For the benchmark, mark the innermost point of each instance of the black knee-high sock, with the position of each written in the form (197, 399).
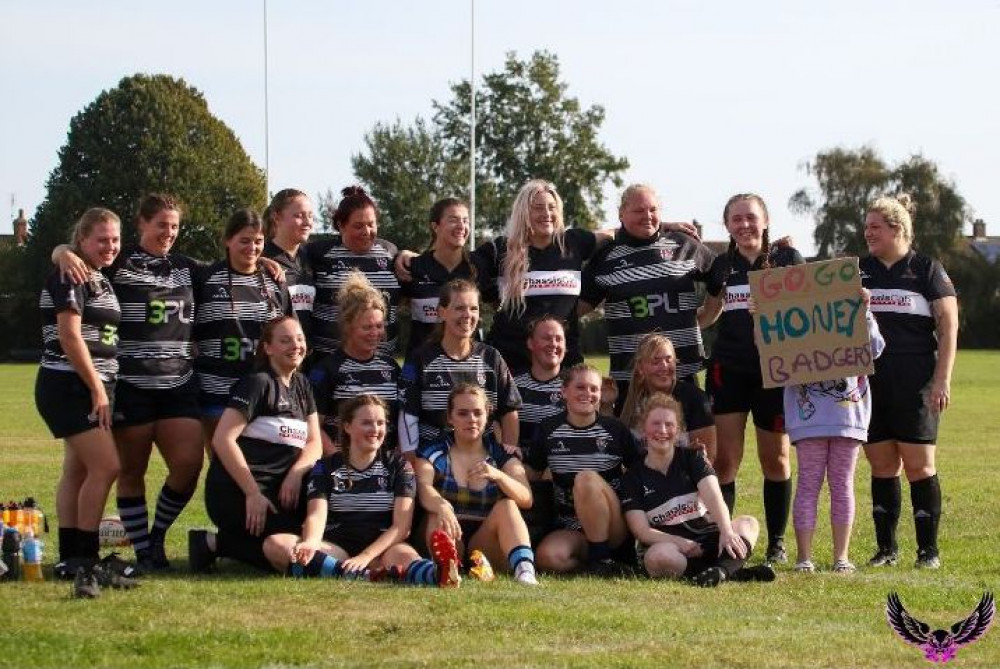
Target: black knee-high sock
(887, 498)
(88, 544)
(777, 503)
(729, 495)
(925, 495)
(169, 505)
(67, 543)
(731, 565)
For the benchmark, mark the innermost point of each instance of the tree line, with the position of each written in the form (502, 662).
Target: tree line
(155, 133)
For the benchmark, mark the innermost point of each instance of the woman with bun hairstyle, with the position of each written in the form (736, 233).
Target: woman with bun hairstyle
(266, 442)
(915, 304)
(74, 390)
(446, 258)
(357, 366)
(288, 222)
(356, 247)
(733, 380)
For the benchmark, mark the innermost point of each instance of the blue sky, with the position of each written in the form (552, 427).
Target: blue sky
(705, 98)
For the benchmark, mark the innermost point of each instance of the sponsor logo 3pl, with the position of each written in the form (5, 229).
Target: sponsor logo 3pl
(940, 645)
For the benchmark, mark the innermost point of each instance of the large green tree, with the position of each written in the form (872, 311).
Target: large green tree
(527, 126)
(848, 180)
(149, 133)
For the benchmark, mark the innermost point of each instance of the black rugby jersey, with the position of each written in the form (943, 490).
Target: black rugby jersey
(100, 314)
(901, 300)
(429, 375)
(277, 428)
(429, 276)
(338, 377)
(156, 294)
(331, 262)
(648, 286)
(360, 503)
(606, 446)
(540, 400)
(695, 405)
(734, 344)
(231, 310)
(551, 286)
(670, 501)
(299, 279)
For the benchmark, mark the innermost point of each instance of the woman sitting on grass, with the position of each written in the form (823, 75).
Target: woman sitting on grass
(266, 442)
(473, 490)
(665, 498)
(360, 510)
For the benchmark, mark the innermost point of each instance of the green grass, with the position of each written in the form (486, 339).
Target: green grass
(239, 619)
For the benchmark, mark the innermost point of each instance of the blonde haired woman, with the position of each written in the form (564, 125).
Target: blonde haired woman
(917, 312)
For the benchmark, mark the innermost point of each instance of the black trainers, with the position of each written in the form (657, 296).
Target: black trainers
(65, 570)
(761, 573)
(608, 568)
(709, 578)
(109, 576)
(153, 558)
(201, 558)
(113, 564)
(776, 553)
(885, 557)
(927, 558)
(85, 585)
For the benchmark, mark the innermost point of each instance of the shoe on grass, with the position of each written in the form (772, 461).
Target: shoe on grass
(85, 585)
(761, 573)
(885, 557)
(110, 575)
(709, 578)
(201, 558)
(844, 567)
(805, 567)
(776, 553)
(927, 558)
(608, 568)
(445, 556)
(113, 564)
(153, 558)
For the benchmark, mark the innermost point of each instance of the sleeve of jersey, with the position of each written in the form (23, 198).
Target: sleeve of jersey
(631, 450)
(697, 464)
(537, 455)
(318, 483)
(630, 492)
(406, 481)
(939, 283)
(320, 378)
(247, 395)
(718, 274)
(305, 390)
(590, 292)
(65, 296)
(508, 397)
(584, 241)
(286, 301)
(697, 407)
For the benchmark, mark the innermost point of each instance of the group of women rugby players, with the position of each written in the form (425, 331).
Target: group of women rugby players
(328, 459)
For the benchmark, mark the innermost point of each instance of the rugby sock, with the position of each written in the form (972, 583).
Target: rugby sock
(925, 496)
(598, 551)
(520, 554)
(88, 544)
(731, 565)
(777, 504)
(887, 499)
(421, 572)
(169, 505)
(67, 543)
(321, 564)
(729, 495)
(135, 518)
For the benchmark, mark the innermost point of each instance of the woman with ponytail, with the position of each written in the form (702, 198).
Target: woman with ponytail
(734, 380)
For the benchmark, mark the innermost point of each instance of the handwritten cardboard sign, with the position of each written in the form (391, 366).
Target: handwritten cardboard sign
(810, 322)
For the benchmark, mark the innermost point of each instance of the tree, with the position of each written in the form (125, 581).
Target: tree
(406, 171)
(849, 180)
(527, 127)
(150, 133)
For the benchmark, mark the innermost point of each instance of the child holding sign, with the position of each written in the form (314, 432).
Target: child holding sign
(827, 421)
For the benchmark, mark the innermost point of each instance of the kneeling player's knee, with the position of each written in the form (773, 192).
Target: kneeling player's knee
(664, 560)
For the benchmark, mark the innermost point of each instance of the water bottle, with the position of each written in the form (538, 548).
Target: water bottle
(31, 549)
(35, 519)
(10, 548)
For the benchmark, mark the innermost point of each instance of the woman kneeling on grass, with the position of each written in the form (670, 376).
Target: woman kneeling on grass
(473, 490)
(360, 510)
(266, 442)
(665, 499)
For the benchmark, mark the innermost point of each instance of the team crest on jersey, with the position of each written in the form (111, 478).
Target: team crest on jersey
(481, 378)
(865, 275)
(350, 381)
(623, 264)
(382, 263)
(220, 293)
(560, 447)
(908, 274)
(387, 375)
(555, 397)
(602, 444)
(383, 483)
(438, 382)
(667, 254)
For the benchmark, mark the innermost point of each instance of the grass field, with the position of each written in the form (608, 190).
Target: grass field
(237, 619)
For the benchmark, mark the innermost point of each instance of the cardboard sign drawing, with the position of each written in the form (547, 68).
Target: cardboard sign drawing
(810, 322)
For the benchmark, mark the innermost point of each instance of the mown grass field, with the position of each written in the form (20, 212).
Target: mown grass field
(238, 619)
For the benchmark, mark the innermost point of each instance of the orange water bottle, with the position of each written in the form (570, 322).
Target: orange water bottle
(31, 552)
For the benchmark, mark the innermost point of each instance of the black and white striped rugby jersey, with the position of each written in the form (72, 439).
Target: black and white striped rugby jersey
(331, 262)
(338, 377)
(901, 300)
(540, 400)
(605, 446)
(100, 314)
(360, 502)
(430, 374)
(648, 285)
(156, 294)
(230, 313)
(299, 279)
